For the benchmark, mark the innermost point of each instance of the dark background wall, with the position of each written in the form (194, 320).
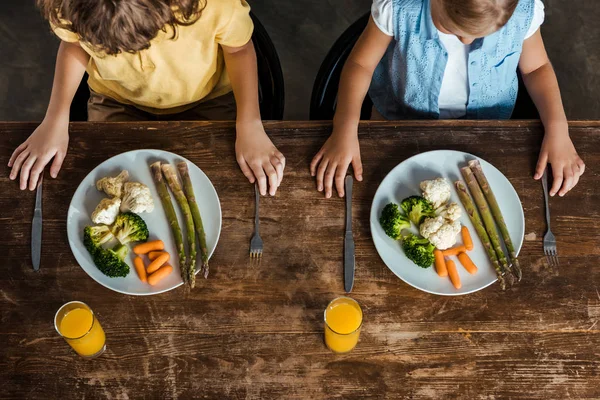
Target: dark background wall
(303, 31)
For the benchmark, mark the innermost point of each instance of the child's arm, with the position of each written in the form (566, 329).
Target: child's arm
(51, 137)
(258, 158)
(342, 147)
(557, 147)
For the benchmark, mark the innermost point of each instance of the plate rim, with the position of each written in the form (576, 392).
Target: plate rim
(71, 243)
(372, 222)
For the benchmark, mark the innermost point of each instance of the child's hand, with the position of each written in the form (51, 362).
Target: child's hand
(258, 158)
(567, 167)
(338, 152)
(50, 139)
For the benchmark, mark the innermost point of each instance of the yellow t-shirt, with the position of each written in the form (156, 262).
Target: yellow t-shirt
(173, 74)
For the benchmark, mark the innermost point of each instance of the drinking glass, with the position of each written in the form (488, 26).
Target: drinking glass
(76, 323)
(343, 320)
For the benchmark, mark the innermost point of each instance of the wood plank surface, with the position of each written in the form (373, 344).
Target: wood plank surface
(255, 331)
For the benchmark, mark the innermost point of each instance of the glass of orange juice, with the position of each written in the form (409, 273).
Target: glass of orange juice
(80, 328)
(343, 320)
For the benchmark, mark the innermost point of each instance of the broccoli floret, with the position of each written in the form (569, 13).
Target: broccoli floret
(109, 261)
(418, 250)
(392, 221)
(130, 227)
(417, 208)
(121, 251)
(97, 235)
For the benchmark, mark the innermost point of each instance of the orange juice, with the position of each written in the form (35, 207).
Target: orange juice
(76, 323)
(343, 319)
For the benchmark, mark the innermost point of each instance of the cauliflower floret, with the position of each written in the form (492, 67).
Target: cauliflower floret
(106, 212)
(436, 191)
(113, 186)
(445, 237)
(441, 233)
(451, 212)
(136, 198)
(430, 226)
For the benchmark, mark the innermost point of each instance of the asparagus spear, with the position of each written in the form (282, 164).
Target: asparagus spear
(189, 192)
(175, 185)
(486, 216)
(495, 208)
(165, 199)
(467, 202)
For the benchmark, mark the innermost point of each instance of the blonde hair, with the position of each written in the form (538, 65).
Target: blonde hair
(478, 17)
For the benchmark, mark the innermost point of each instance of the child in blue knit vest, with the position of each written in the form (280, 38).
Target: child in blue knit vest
(448, 59)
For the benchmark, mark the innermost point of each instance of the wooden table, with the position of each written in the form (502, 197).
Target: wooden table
(256, 331)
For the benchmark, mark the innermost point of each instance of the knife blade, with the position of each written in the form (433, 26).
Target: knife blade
(348, 239)
(36, 229)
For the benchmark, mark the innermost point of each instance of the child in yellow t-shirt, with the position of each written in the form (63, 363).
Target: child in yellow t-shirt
(164, 59)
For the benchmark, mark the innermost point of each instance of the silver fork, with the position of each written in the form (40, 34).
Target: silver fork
(256, 243)
(549, 239)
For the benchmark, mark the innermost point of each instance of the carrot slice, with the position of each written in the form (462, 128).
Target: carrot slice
(440, 263)
(466, 262)
(466, 237)
(140, 268)
(453, 274)
(454, 251)
(147, 247)
(157, 263)
(160, 274)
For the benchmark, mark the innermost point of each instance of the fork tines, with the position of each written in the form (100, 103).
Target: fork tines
(551, 256)
(255, 253)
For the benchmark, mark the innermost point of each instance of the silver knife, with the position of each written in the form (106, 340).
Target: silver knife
(36, 229)
(348, 239)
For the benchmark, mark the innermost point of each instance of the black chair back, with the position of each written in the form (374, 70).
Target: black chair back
(324, 95)
(271, 88)
(79, 103)
(524, 106)
(270, 80)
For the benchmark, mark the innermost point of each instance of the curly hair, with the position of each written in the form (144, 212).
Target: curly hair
(116, 26)
(479, 17)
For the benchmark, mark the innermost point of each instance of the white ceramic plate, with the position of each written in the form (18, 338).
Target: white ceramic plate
(403, 181)
(137, 162)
